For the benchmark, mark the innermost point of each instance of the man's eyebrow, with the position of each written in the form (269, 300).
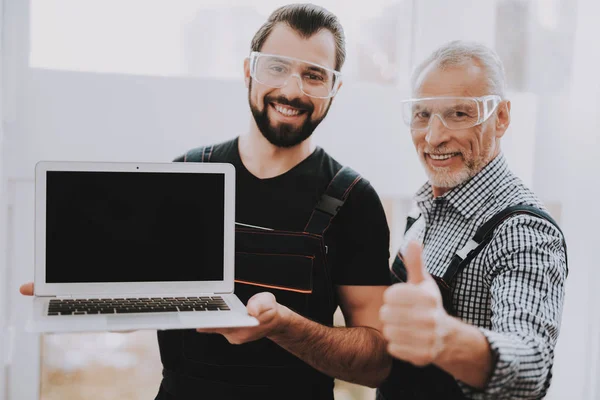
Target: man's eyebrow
(315, 68)
(309, 67)
(281, 60)
(466, 105)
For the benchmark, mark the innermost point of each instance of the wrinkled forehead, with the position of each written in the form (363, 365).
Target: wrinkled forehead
(464, 80)
(317, 49)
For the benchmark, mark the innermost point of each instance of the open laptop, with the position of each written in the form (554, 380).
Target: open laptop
(125, 246)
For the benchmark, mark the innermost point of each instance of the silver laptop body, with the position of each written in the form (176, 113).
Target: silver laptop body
(126, 246)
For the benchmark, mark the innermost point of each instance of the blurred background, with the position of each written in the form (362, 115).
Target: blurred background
(144, 80)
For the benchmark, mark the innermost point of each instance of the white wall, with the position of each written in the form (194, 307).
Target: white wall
(22, 374)
(24, 369)
(120, 117)
(577, 354)
(3, 285)
(439, 21)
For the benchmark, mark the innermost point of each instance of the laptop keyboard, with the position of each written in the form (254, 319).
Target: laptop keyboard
(133, 305)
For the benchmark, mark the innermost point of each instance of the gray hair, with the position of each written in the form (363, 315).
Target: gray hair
(460, 52)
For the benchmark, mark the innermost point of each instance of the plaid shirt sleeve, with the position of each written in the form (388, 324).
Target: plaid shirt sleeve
(527, 269)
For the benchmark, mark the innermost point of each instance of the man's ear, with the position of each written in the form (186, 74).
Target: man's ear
(247, 72)
(503, 118)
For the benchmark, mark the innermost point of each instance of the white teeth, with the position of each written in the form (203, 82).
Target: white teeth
(287, 111)
(442, 156)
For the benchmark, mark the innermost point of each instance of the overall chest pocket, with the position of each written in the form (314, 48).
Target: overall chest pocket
(290, 278)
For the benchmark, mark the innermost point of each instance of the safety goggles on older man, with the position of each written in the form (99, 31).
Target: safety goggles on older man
(453, 112)
(275, 71)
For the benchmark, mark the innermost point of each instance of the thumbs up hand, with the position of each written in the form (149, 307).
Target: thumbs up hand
(414, 320)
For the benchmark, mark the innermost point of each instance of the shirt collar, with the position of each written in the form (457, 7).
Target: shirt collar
(468, 197)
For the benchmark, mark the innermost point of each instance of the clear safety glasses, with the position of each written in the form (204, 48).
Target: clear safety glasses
(454, 112)
(275, 71)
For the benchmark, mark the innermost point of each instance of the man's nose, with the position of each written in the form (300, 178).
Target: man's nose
(437, 133)
(292, 89)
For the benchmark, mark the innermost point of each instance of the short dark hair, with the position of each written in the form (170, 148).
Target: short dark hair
(306, 19)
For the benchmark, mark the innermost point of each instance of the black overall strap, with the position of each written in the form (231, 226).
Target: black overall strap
(484, 234)
(332, 200)
(398, 269)
(199, 154)
(410, 221)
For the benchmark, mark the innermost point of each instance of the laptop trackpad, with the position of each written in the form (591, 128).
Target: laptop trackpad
(116, 321)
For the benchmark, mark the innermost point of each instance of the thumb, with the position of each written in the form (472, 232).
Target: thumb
(262, 306)
(413, 261)
(26, 289)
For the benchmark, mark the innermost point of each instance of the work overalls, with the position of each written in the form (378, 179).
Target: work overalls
(408, 382)
(291, 265)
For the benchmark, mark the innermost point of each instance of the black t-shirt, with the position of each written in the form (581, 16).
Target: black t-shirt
(358, 238)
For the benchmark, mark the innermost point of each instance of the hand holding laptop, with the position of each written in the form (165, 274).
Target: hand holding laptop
(270, 315)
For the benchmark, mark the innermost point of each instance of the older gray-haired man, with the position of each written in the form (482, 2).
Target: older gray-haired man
(482, 267)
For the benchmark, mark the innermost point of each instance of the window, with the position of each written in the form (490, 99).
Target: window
(201, 38)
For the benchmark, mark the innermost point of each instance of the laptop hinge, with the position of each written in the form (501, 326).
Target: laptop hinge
(66, 296)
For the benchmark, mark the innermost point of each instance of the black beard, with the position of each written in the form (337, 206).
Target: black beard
(284, 135)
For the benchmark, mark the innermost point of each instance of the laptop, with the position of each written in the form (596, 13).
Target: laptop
(127, 246)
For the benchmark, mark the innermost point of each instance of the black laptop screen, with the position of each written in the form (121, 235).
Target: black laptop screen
(134, 227)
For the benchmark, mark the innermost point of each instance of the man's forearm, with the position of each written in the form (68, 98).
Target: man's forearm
(355, 354)
(466, 355)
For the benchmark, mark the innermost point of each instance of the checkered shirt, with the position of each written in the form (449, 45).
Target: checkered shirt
(513, 289)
